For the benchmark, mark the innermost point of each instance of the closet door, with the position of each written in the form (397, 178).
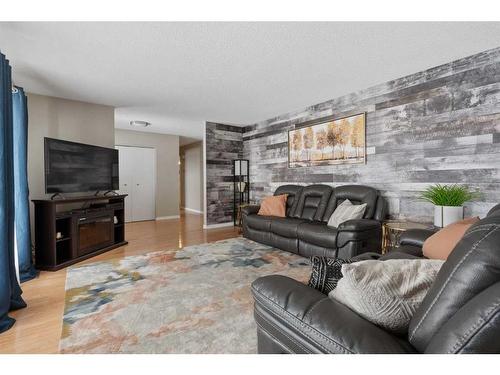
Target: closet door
(138, 180)
(144, 184)
(125, 177)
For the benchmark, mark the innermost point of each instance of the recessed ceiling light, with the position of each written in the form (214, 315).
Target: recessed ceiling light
(140, 124)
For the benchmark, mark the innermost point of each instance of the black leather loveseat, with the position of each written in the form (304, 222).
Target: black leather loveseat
(304, 231)
(460, 313)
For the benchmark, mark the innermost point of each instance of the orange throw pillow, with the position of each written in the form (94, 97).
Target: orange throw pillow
(441, 244)
(273, 206)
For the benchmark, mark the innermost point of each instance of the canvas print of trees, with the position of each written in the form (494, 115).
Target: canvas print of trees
(339, 141)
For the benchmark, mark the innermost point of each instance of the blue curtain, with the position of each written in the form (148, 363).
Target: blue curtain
(21, 192)
(10, 291)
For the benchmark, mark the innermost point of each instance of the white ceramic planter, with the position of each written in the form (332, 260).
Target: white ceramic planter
(444, 215)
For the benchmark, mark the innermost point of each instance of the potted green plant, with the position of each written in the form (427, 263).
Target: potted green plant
(448, 202)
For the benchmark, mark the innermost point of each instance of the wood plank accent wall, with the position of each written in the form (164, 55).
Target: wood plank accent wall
(441, 125)
(224, 143)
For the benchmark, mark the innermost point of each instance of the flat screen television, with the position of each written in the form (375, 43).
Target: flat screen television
(72, 167)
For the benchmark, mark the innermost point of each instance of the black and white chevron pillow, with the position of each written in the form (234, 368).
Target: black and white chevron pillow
(326, 273)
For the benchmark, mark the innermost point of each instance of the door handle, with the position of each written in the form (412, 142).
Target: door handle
(137, 184)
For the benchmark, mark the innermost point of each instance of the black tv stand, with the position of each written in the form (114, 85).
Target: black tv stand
(65, 235)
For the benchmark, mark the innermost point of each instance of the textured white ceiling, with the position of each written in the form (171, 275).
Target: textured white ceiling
(177, 75)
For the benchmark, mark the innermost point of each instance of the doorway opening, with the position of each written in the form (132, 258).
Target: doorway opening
(191, 177)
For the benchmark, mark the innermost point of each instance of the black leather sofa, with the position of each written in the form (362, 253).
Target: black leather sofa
(304, 231)
(460, 314)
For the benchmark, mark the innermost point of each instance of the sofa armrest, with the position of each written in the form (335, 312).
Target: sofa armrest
(250, 210)
(365, 232)
(415, 237)
(299, 319)
(473, 329)
(359, 225)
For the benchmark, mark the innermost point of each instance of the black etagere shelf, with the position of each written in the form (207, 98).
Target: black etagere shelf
(241, 186)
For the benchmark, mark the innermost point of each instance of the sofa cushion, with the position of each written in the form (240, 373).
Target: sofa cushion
(326, 273)
(357, 194)
(273, 206)
(292, 192)
(386, 293)
(346, 211)
(286, 227)
(312, 202)
(259, 222)
(318, 234)
(441, 244)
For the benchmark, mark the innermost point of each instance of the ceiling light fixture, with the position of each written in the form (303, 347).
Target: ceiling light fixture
(140, 124)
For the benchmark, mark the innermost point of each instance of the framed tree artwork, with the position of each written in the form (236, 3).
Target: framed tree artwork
(328, 141)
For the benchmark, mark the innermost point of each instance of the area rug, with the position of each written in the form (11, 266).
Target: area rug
(193, 300)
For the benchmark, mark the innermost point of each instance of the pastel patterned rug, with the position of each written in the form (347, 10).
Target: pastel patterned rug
(193, 300)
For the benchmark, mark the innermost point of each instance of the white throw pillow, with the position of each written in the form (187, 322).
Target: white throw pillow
(386, 293)
(346, 211)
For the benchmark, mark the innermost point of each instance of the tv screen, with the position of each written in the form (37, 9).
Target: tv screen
(72, 167)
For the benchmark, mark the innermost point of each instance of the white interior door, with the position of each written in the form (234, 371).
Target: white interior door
(125, 177)
(144, 184)
(138, 180)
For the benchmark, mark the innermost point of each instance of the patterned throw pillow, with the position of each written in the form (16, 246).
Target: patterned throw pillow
(326, 273)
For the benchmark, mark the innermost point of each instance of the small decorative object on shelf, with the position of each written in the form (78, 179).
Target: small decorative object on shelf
(392, 230)
(448, 202)
(241, 187)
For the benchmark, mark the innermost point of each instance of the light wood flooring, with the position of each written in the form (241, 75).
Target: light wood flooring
(38, 327)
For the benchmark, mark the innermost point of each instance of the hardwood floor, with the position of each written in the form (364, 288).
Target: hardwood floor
(38, 327)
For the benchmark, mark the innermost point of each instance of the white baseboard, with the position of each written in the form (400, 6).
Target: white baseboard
(168, 217)
(192, 210)
(215, 226)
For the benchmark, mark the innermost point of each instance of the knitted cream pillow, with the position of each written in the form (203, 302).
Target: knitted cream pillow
(387, 293)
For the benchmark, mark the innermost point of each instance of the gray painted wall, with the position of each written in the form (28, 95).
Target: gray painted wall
(441, 125)
(167, 166)
(62, 119)
(223, 144)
